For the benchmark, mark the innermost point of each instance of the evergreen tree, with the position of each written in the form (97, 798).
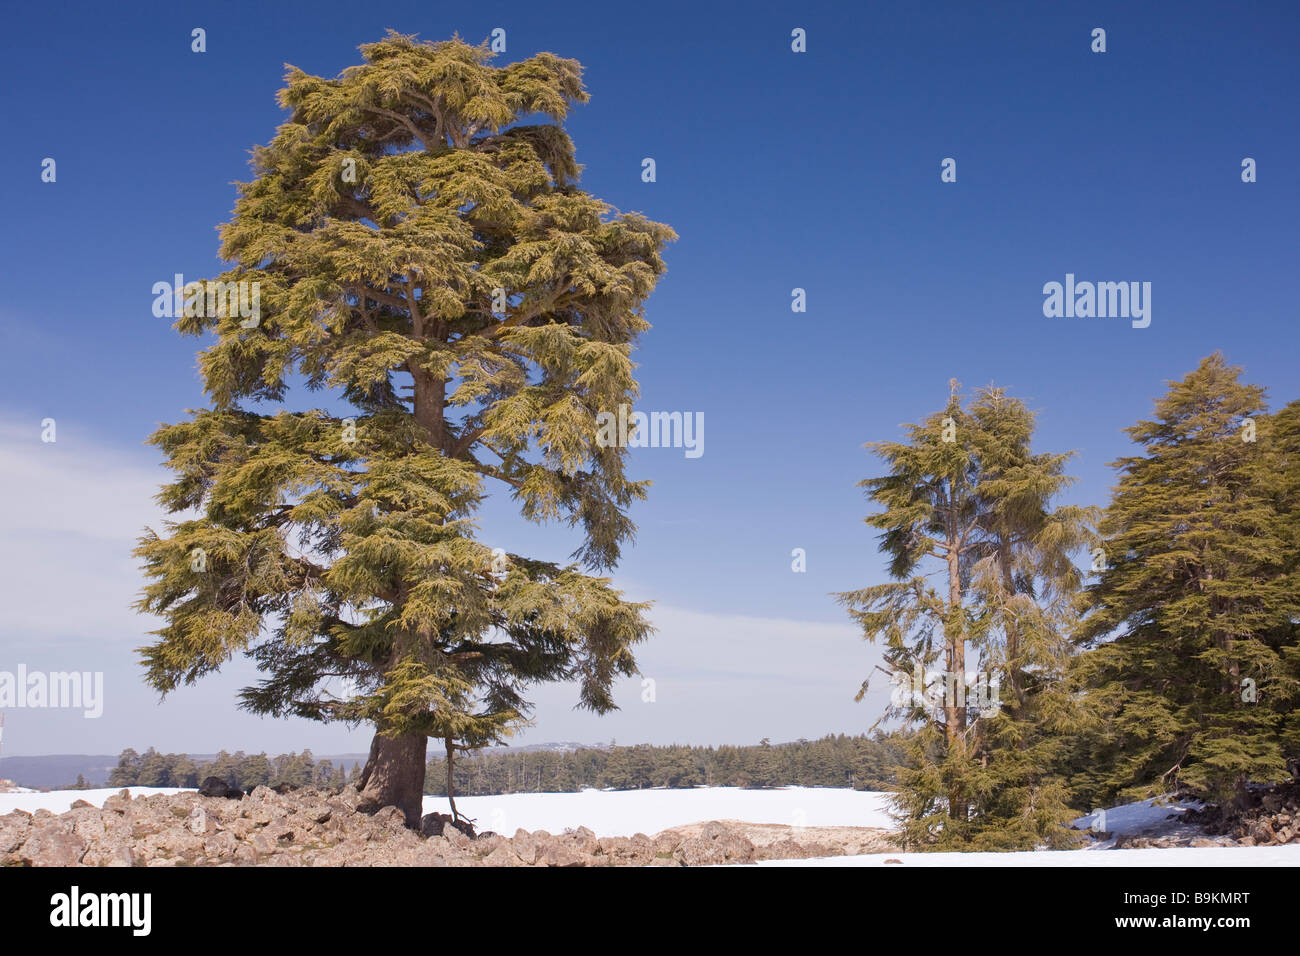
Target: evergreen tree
(186, 772)
(127, 771)
(617, 774)
(1193, 623)
(966, 495)
(408, 233)
(1024, 583)
(254, 771)
(225, 766)
(155, 770)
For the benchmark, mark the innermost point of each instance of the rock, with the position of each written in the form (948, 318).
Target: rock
(557, 854)
(525, 848)
(82, 805)
(50, 847)
(119, 802)
(390, 819)
(282, 834)
(432, 824)
(347, 799)
(666, 844)
(14, 828)
(216, 787)
(88, 823)
(785, 849)
(488, 841)
(717, 843)
(122, 856)
(455, 837)
(502, 856)
(262, 844)
(891, 860)
(582, 841)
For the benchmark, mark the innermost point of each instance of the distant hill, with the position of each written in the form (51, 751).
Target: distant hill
(59, 770)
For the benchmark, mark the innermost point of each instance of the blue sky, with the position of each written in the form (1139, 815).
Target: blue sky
(778, 170)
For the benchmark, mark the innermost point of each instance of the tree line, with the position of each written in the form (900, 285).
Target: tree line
(860, 762)
(246, 771)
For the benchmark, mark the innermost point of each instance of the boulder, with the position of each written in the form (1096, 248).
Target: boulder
(216, 787)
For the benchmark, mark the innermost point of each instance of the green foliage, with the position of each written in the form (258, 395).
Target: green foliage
(409, 234)
(1198, 607)
(965, 497)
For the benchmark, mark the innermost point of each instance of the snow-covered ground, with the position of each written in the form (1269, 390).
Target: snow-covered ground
(623, 813)
(1155, 856)
(1159, 814)
(60, 801)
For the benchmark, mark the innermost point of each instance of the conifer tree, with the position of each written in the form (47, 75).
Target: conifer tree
(1024, 583)
(1193, 624)
(965, 497)
(425, 260)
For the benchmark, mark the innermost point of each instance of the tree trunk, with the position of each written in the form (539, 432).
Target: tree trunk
(955, 681)
(451, 778)
(394, 776)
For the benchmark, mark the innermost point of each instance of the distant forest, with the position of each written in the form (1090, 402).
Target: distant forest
(154, 769)
(861, 762)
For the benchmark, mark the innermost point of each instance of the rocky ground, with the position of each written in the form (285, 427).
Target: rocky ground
(1271, 817)
(310, 827)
